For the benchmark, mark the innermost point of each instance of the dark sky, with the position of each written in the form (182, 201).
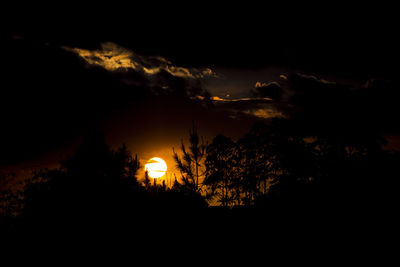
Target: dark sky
(144, 73)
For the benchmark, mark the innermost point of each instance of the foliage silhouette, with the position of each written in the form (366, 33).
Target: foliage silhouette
(278, 160)
(97, 187)
(95, 184)
(220, 169)
(276, 169)
(191, 165)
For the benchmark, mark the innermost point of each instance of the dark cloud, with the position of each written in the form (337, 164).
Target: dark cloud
(270, 89)
(358, 41)
(326, 106)
(113, 57)
(52, 96)
(319, 103)
(49, 97)
(321, 106)
(379, 99)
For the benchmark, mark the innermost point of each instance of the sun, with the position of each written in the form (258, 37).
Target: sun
(156, 167)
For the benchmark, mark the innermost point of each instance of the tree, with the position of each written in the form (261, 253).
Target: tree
(256, 163)
(191, 164)
(95, 181)
(128, 164)
(146, 180)
(221, 169)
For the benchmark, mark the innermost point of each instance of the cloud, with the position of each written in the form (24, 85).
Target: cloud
(259, 107)
(327, 106)
(311, 79)
(379, 98)
(243, 99)
(265, 113)
(270, 89)
(113, 57)
(260, 84)
(217, 99)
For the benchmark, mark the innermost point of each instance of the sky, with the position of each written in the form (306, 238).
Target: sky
(143, 76)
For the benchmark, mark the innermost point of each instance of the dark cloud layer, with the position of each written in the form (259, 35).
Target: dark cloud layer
(356, 40)
(326, 106)
(52, 95)
(271, 89)
(49, 97)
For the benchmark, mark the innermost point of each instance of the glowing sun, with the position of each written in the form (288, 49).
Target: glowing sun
(156, 167)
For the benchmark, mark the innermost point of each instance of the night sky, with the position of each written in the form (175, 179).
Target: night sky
(143, 75)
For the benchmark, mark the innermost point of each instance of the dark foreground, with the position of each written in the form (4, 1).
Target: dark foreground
(291, 231)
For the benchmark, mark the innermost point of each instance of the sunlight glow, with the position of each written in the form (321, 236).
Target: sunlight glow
(156, 167)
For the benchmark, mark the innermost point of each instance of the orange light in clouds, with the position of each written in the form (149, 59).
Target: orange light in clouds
(156, 167)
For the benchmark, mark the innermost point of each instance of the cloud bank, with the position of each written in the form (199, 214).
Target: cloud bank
(113, 57)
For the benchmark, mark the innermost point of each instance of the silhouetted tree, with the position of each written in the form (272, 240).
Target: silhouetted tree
(94, 182)
(191, 164)
(176, 186)
(256, 163)
(221, 168)
(292, 158)
(146, 181)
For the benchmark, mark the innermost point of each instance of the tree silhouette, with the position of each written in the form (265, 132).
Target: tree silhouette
(273, 165)
(95, 182)
(191, 164)
(256, 163)
(146, 180)
(221, 168)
